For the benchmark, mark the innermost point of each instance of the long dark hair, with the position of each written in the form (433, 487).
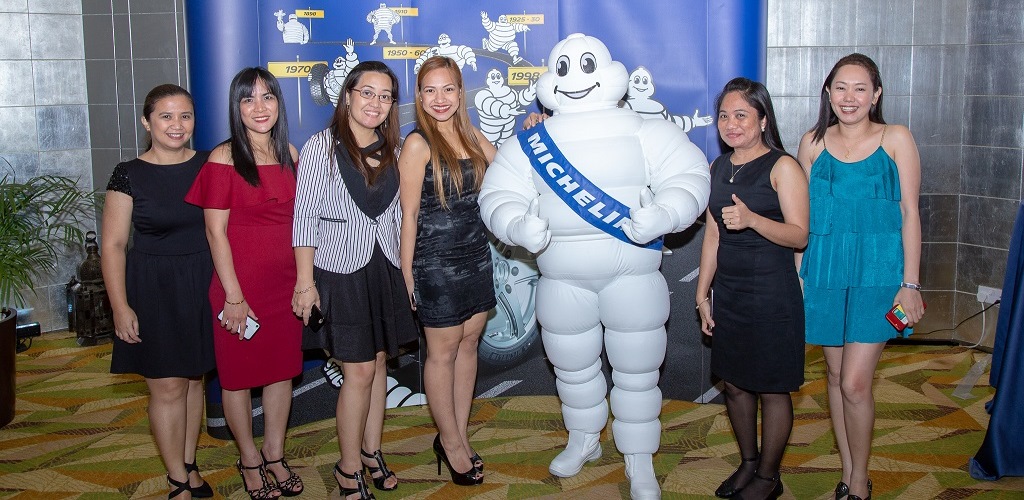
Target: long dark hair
(388, 129)
(827, 117)
(441, 150)
(757, 97)
(154, 96)
(242, 155)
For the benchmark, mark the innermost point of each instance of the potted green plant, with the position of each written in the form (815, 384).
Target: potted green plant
(37, 218)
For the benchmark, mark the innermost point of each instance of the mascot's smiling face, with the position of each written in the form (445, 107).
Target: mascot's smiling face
(581, 76)
(495, 81)
(640, 83)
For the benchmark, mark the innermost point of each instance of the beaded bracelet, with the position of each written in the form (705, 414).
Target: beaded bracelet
(308, 288)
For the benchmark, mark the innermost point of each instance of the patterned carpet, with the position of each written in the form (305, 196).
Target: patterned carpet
(80, 432)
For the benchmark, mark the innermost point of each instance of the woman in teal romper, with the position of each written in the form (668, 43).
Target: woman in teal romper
(863, 252)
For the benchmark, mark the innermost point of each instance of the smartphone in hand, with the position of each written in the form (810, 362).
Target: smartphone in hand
(316, 319)
(250, 326)
(897, 317)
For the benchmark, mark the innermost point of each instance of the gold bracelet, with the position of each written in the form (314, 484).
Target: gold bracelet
(702, 302)
(308, 288)
(226, 301)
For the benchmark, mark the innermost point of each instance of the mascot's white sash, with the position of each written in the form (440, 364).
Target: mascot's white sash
(592, 204)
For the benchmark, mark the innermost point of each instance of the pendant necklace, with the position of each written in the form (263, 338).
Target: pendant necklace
(734, 170)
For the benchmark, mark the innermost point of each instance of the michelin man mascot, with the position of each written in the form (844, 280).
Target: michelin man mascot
(592, 190)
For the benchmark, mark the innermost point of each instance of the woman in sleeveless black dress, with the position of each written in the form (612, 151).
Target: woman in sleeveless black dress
(444, 254)
(748, 294)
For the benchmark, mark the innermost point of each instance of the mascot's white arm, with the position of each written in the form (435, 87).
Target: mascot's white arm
(509, 200)
(680, 183)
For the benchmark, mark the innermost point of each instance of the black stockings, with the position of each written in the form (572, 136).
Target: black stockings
(776, 425)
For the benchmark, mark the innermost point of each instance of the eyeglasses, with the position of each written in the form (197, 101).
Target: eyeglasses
(369, 94)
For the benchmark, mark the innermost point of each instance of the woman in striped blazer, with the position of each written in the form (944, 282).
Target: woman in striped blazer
(345, 234)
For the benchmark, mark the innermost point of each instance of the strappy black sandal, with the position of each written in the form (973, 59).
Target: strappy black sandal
(288, 486)
(203, 490)
(179, 487)
(265, 491)
(382, 469)
(361, 489)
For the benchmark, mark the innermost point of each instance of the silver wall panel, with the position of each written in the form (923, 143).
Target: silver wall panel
(59, 82)
(940, 22)
(56, 36)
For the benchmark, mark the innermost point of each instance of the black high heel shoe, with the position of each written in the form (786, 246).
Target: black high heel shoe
(477, 462)
(843, 489)
(382, 468)
(203, 490)
(728, 487)
(468, 478)
(179, 487)
(288, 486)
(265, 491)
(361, 489)
(855, 497)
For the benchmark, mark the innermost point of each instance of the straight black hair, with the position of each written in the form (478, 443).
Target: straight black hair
(757, 97)
(242, 86)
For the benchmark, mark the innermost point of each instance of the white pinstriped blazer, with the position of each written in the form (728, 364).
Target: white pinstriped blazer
(327, 218)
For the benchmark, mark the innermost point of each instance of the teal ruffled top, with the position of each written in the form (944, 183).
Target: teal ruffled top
(855, 237)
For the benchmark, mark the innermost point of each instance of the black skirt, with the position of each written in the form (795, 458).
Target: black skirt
(169, 294)
(366, 312)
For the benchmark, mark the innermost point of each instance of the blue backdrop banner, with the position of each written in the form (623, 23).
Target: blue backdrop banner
(679, 55)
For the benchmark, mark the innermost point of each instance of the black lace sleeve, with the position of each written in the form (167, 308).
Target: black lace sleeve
(119, 180)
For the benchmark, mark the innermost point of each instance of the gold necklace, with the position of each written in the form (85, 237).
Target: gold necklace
(848, 150)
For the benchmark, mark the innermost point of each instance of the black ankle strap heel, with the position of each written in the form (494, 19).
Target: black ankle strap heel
(361, 489)
(203, 490)
(728, 487)
(382, 468)
(179, 487)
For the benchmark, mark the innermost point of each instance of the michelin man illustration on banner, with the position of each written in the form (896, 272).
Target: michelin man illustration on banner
(592, 190)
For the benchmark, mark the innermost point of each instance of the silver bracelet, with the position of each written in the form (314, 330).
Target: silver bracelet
(912, 286)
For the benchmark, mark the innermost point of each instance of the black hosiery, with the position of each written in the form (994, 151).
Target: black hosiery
(776, 426)
(741, 406)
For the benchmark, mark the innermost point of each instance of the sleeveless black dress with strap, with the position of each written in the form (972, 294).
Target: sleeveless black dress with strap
(758, 341)
(452, 269)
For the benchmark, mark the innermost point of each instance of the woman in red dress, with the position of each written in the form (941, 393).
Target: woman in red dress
(247, 191)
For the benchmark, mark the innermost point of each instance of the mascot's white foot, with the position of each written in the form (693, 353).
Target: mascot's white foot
(582, 448)
(643, 485)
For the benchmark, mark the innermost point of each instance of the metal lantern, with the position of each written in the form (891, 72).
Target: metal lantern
(90, 315)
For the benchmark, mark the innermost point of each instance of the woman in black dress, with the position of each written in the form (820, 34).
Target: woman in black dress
(748, 294)
(345, 235)
(445, 255)
(158, 290)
